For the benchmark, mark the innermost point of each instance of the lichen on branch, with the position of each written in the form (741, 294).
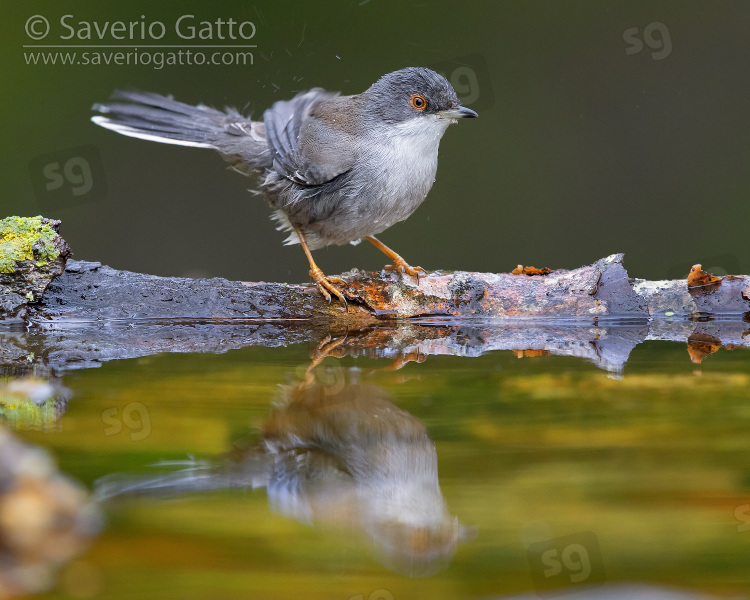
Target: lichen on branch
(26, 238)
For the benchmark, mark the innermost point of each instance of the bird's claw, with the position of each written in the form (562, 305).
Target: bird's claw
(327, 287)
(401, 266)
(402, 360)
(325, 349)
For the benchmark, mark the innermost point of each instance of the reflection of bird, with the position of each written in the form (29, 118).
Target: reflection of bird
(338, 454)
(336, 169)
(386, 456)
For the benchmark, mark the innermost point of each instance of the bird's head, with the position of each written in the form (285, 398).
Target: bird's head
(414, 94)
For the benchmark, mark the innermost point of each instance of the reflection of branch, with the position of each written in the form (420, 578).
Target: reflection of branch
(607, 346)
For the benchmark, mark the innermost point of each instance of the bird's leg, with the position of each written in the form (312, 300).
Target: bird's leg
(399, 264)
(325, 349)
(325, 284)
(403, 359)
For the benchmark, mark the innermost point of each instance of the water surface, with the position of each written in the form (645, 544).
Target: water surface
(551, 472)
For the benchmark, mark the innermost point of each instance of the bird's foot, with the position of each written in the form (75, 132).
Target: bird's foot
(325, 349)
(401, 266)
(402, 360)
(327, 287)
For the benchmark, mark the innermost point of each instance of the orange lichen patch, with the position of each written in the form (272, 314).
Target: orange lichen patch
(530, 353)
(700, 345)
(521, 270)
(699, 277)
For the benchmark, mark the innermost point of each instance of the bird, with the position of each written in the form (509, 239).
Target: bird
(335, 169)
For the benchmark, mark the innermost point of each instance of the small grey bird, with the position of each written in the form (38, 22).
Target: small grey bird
(335, 169)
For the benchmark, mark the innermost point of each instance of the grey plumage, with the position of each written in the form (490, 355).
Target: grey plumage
(334, 168)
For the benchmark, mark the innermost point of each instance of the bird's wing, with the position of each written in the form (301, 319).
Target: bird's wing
(307, 149)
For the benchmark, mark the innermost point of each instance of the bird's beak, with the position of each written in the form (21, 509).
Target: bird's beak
(460, 112)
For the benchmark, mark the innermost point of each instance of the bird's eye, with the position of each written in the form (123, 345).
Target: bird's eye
(418, 102)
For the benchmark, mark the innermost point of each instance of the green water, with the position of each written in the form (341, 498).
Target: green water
(644, 478)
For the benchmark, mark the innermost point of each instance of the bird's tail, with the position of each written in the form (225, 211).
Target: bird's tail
(160, 118)
(195, 476)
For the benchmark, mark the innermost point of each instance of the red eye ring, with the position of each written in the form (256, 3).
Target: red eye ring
(418, 102)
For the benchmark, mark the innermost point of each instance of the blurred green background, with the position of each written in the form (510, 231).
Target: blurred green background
(604, 127)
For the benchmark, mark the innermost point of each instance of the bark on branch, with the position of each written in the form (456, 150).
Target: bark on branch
(89, 291)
